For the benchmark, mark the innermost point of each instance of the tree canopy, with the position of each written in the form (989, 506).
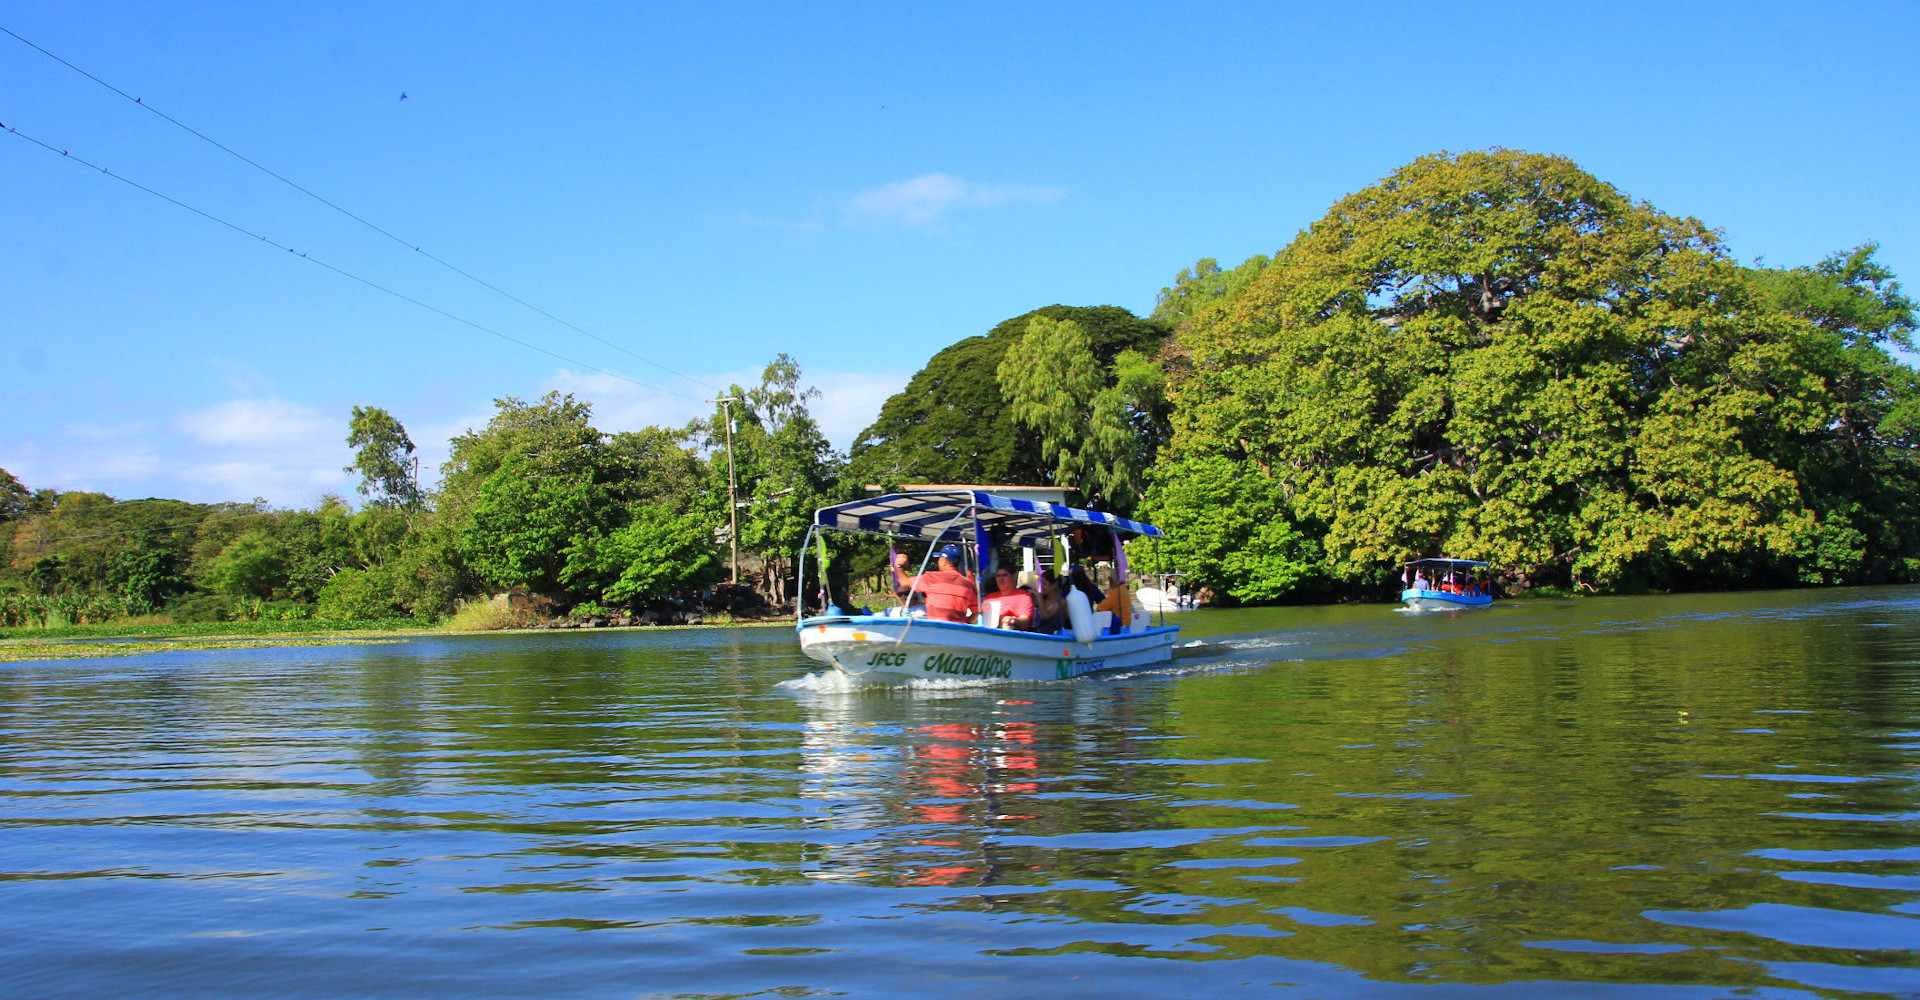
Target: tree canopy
(1489, 355)
(538, 501)
(1496, 355)
(383, 458)
(957, 421)
(783, 466)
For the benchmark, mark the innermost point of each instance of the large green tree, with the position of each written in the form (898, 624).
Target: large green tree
(130, 556)
(1494, 354)
(384, 459)
(656, 552)
(1234, 534)
(14, 497)
(955, 423)
(783, 468)
(1099, 427)
(517, 493)
(540, 499)
(1860, 472)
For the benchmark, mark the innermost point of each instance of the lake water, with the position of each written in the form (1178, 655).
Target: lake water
(1701, 796)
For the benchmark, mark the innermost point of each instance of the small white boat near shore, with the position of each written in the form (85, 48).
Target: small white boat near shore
(895, 646)
(1165, 595)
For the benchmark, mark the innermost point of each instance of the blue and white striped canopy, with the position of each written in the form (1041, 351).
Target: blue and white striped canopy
(925, 515)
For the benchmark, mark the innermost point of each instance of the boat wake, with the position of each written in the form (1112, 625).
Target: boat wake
(832, 683)
(1229, 643)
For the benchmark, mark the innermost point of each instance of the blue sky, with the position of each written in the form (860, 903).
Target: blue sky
(858, 185)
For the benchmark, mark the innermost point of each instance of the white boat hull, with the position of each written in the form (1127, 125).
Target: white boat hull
(1156, 600)
(892, 650)
(1440, 600)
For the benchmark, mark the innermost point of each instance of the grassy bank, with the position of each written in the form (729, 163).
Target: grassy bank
(136, 638)
(27, 650)
(160, 629)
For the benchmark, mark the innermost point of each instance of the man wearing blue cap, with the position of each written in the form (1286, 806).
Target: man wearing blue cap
(951, 595)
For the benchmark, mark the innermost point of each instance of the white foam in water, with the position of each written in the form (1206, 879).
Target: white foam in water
(832, 682)
(1221, 666)
(1236, 643)
(931, 685)
(824, 682)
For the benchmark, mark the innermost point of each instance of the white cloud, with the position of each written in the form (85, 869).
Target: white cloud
(285, 480)
(92, 462)
(108, 432)
(271, 423)
(620, 405)
(286, 452)
(241, 379)
(926, 200)
(848, 403)
(283, 451)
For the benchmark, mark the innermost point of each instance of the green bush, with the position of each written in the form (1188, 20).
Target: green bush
(203, 608)
(356, 594)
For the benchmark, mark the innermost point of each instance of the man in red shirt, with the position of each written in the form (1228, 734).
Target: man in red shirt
(1016, 605)
(950, 594)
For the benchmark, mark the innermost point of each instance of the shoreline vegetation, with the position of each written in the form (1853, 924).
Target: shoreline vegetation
(1489, 355)
(140, 638)
(67, 642)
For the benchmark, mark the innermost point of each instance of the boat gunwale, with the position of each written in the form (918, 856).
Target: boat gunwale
(970, 628)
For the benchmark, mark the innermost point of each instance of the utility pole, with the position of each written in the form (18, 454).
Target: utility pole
(733, 509)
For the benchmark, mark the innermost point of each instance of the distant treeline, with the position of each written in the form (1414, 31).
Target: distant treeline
(539, 501)
(1487, 355)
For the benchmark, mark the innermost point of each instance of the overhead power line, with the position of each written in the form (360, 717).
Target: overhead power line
(482, 282)
(402, 296)
(210, 519)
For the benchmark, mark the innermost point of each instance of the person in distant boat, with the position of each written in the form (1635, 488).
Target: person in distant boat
(1420, 581)
(950, 593)
(1016, 604)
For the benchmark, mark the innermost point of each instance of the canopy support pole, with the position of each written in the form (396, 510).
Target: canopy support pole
(800, 575)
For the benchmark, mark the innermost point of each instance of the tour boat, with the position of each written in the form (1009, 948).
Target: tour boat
(1450, 588)
(897, 645)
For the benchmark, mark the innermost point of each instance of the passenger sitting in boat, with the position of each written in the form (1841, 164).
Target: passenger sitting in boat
(1016, 605)
(1420, 582)
(950, 593)
(1049, 604)
(1119, 600)
(1077, 575)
